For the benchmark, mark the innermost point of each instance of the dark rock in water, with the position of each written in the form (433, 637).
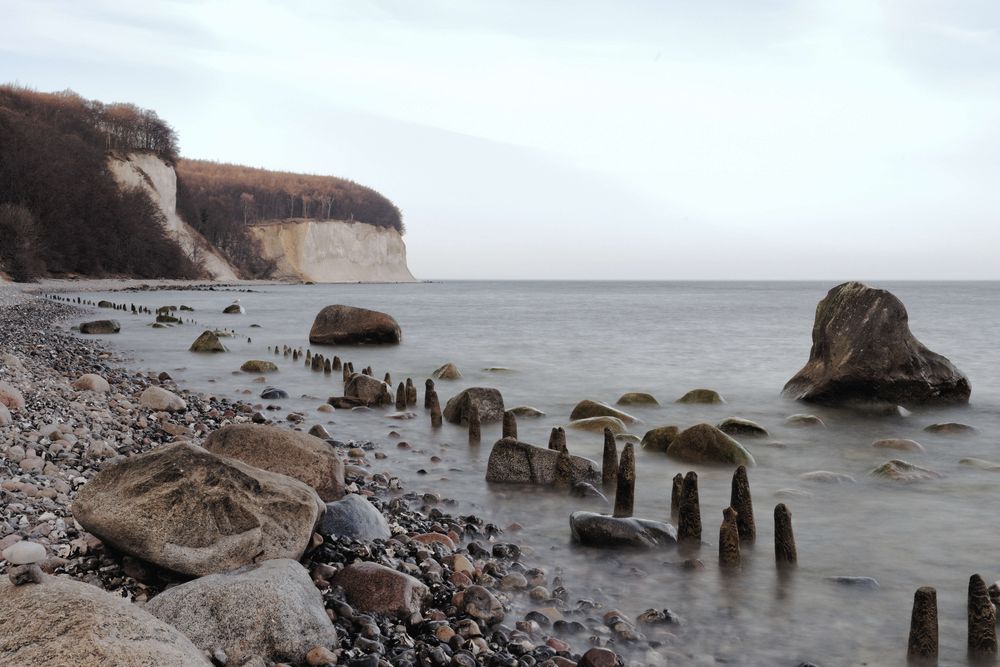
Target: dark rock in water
(637, 398)
(259, 366)
(355, 518)
(233, 309)
(863, 352)
(348, 325)
(804, 421)
(448, 372)
(101, 327)
(901, 471)
(705, 444)
(208, 341)
(951, 428)
(319, 431)
(515, 462)
(855, 582)
(742, 428)
(658, 439)
(923, 643)
(600, 530)
(105, 304)
(586, 409)
(488, 400)
(368, 391)
(272, 393)
(702, 397)
(982, 620)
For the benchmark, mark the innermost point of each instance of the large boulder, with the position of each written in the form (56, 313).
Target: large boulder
(101, 327)
(600, 530)
(701, 397)
(658, 439)
(637, 398)
(347, 325)
(515, 462)
(61, 621)
(863, 353)
(259, 366)
(903, 471)
(272, 610)
(365, 390)
(91, 382)
(704, 444)
(188, 510)
(355, 518)
(374, 588)
(300, 455)
(488, 400)
(586, 409)
(161, 400)
(208, 341)
(448, 372)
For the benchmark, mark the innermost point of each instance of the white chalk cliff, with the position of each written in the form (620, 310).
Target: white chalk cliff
(159, 179)
(332, 251)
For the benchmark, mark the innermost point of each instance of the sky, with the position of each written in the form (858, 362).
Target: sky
(526, 139)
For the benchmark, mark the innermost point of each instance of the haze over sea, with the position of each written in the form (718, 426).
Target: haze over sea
(567, 341)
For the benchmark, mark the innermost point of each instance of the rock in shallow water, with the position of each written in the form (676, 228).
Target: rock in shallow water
(488, 401)
(701, 397)
(658, 439)
(742, 428)
(272, 610)
(101, 327)
(707, 445)
(863, 352)
(598, 424)
(637, 398)
(515, 462)
(600, 530)
(901, 471)
(586, 409)
(348, 325)
(208, 341)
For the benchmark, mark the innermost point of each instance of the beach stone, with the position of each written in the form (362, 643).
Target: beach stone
(515, 462)
(527, 411)
(161, 400)
(367, 390)
(374, 588)
(24, 552)
(586, 409)
(599, 657)
(805, 421)
(349, 325)
(318, 430)
(742, 428)
(101, 327)
(233, 309)
(281, 450)
(867, 583)
(705, 444)
(863, 353)
(827, 477)
(355, 518)
(11, 397)
(901, 444)
(448, 372)
(951, 428)
(901, 471)
(186, 509)
(658, 439)
(489, 401)
(91, 382)
(65, 622)
(599, 530)
(701, 397)
(272, 610)
(208, 341)
(598, 424)
(480, 604)
(637, 398)
(259, 366)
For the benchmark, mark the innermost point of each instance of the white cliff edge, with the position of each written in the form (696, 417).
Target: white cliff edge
(333, 251)
(159, 179)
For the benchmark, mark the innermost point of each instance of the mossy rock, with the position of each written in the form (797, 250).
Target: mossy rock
(658, 439)
(704, 444)
(701, 397)
(637, 398)
(586, 409)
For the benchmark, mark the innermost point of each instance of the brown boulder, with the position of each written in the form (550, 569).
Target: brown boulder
(488, 400)
(281, 450)
(374, 588)
(515, 462)
(658, 439)
(365, 390)
(586, 409)
(348, 325)
(705, 444)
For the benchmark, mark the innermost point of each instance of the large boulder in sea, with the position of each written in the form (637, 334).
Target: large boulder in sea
(488, 400)
(300, 455)
(272, 610)
(365, 390)
(208, 341)
(587, 408)
(704, 444)
(863, 353)
(186, 509)
(515, 462)
(61, 621)
(348, 325)
(658, 439)
(600, 530)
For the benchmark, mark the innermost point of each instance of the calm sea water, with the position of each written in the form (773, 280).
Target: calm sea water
(564, 342)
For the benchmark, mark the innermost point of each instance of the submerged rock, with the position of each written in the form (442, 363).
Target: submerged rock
(355, 518)
(273, 393)
(598, 424)
(586, 409)
(707, 445)
(281, 450)
(368, 391)
(901, 444)
(867, 583)
(65, 622)
(951, 428)
(599, 530)
(863, 352)
(637, 398)
(804, 421)
(272, 610)
(488, 401)
(742, 428)
(348, 325)
(448, 372)
(208, 341)
(901, 471)
(658, 439)
(701, 396)
(515, 462)
(827, 477)
(188, 510)
(527, 411)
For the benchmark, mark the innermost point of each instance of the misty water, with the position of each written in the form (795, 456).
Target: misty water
(564, 342)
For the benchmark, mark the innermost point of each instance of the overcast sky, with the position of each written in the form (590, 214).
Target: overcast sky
(728, 139)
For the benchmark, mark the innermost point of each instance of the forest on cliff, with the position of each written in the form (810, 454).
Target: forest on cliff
(62, 212)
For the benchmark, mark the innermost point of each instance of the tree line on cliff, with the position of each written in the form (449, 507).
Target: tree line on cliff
(62, 212)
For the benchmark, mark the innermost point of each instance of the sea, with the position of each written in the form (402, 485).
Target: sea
(561, 342)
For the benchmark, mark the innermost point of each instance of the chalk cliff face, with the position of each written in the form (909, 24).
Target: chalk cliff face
(330, 251)
(158, 178)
